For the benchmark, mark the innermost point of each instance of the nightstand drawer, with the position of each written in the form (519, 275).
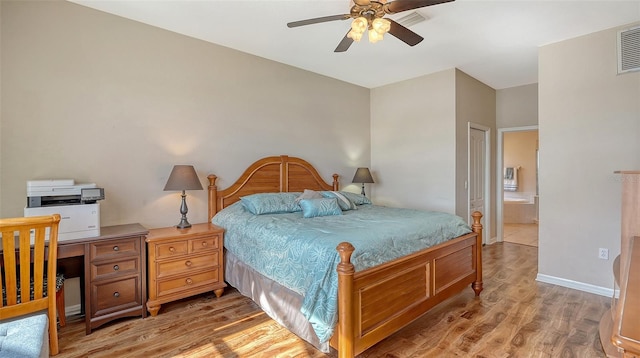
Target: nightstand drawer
(105, 270)
(185, 265)
(188, 282)
(171, 249)
(116, 295)
(204, 244)
(115, 248)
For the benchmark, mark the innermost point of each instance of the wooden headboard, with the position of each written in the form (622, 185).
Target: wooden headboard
(268, 175)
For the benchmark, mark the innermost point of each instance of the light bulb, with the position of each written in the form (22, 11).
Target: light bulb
(359, 25)
(374, 36)
(356, 36)
(381, 25)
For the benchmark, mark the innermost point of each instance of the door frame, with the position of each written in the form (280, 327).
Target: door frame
(499, 175)
(486, 211)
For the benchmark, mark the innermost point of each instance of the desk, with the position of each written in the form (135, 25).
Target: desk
(113, 272)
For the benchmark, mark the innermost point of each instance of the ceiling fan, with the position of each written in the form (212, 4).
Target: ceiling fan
(369, 15)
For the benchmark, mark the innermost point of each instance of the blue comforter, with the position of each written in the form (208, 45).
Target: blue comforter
(301, 253)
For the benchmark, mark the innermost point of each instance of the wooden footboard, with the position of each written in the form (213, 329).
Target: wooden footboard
(375, 303)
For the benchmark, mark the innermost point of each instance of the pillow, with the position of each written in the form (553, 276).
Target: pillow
(312, 208)
(343, 201)
(309, 194)
(357, 199)
(271, 203)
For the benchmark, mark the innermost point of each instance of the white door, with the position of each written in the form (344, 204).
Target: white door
(477, 171)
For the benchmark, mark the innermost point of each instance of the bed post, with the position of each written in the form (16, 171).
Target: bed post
(335, 182)
(477, 228)
(213, 196)
(345, 301)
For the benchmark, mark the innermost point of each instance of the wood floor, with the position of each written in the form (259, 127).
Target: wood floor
(524, 234)
(515, 316)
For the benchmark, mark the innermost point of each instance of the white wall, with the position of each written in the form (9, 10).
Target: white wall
(589, 127)
(413, 142)
(99, 98)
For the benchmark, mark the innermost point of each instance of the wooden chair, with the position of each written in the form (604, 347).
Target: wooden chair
(27, 238)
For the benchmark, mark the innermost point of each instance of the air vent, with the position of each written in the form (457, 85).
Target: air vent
(411, 19)
(629, 50)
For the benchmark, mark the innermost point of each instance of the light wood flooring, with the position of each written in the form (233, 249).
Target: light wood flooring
(515, 316)
(524, 234)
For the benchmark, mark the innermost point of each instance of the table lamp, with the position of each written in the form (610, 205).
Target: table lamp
(363, 175)
(183, 177)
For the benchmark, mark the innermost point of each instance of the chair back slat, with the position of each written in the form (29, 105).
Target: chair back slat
(38, 257)
(24, 263)
(29, 259)
(10, 283)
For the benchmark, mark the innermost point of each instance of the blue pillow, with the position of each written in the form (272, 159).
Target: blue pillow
(343, 201)
(271, 203)
(312, 208)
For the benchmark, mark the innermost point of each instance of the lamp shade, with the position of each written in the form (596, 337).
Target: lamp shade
(363, 175)
(183, 177)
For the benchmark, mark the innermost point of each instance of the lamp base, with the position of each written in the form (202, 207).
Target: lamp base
(184, 224)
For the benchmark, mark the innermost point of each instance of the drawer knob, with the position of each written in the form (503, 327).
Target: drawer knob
(189, 281)
(116, 294)
(116, 248)
(188, 263)
(116, 267)
(204, 244)
(172, 249)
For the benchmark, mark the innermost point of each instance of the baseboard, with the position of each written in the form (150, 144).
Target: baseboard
(580, 286)
(72, 310)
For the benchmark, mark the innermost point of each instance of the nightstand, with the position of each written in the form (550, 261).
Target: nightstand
(183, 263)
(115, 277)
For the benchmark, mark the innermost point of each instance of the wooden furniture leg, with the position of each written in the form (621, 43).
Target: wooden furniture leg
(62, 316)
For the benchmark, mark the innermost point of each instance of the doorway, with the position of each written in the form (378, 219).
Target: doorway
(517, 192)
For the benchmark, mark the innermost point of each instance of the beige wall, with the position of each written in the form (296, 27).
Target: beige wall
(517, 106)
(419, 130)
(589, 127)
(475, 103)
(0, 111)
(98, 98)
(520, 151)
(413, 142)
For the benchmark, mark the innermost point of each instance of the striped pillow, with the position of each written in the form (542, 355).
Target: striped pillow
(343, 201)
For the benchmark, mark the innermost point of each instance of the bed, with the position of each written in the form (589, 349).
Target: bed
(372, 302)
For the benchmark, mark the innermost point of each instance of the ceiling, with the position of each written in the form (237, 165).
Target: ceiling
(494, 41)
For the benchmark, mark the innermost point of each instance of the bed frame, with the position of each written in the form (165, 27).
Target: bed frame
(376, 302)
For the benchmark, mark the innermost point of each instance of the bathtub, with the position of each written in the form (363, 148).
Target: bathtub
(520, 208)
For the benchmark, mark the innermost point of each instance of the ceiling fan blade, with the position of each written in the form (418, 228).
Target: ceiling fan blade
(404, 5)
(344, 44)
(318, 20)
(404, 34)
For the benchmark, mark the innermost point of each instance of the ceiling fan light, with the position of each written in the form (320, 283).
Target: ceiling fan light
(375, 36)
(356, 36)
(381, 26)
(359, 25)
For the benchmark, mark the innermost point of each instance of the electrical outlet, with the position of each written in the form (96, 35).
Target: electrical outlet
(603, 254)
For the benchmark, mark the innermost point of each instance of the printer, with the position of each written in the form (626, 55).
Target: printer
(77, 205)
